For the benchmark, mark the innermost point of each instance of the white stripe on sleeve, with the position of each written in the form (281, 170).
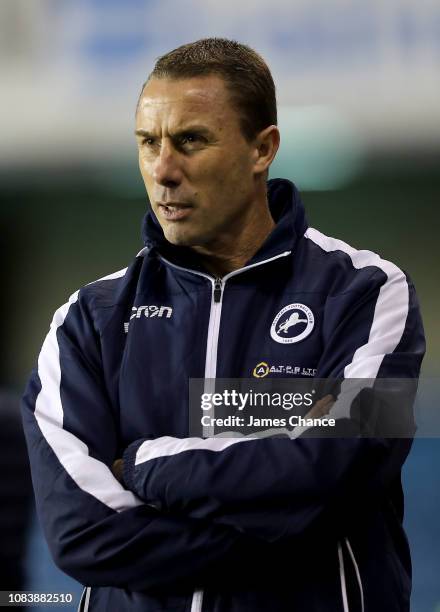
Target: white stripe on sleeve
(91, 475)
(166, 446)
(390, 312)
(388, 325)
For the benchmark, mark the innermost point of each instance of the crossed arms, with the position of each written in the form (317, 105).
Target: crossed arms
(189, 505)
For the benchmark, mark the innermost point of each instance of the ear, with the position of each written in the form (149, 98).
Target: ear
(267, 143)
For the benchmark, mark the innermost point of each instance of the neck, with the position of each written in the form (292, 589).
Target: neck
(232, 251)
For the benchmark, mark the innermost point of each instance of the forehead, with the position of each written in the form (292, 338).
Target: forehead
(178, 100)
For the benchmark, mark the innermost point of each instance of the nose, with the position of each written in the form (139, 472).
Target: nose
(167, 170)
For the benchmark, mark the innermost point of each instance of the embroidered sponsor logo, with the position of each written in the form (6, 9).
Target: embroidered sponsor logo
(262, 369)
(149, 312)
(292, 324)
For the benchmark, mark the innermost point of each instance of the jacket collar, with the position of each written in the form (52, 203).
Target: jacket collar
(287, 211)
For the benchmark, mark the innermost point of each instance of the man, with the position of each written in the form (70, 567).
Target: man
(220, 524)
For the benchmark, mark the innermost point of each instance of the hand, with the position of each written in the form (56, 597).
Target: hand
(118, 469)
(321, 407)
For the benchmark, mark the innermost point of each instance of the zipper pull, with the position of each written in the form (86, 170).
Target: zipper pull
(217, 290)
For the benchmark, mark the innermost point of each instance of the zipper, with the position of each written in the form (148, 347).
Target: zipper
(217, 290)
(218, 285)
(214, 327)
(212, 347)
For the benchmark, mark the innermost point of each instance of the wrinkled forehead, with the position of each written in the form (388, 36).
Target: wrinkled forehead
(181, 100)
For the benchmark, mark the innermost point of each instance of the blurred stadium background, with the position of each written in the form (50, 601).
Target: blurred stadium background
(359, 95)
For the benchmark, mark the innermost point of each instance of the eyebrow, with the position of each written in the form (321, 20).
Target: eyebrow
(200, 129)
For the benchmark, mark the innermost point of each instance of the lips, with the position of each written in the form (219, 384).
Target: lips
(173, 211)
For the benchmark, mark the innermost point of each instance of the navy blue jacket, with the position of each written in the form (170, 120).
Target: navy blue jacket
(220, 524)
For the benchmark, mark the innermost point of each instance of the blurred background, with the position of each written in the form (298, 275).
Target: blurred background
(359, 96)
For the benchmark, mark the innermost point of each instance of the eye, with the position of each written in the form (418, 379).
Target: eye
(191, 141)
(148, 141)
(189, 138)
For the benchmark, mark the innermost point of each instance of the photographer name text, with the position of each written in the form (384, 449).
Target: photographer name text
(251, 421)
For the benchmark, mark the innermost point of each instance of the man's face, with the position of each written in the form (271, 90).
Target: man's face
(196, 164)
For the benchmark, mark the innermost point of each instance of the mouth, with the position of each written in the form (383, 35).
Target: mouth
(174, 211)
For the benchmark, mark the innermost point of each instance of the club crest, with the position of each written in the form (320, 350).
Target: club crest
(292, 324)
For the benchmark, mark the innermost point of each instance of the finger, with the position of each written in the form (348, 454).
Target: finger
(321, 407)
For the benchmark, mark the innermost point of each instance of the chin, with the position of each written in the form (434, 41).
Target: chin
(179, 238)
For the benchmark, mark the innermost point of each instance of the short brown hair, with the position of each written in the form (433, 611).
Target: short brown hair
(246, 75)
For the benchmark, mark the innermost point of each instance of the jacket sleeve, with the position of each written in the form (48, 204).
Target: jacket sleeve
(99, 533)
(278, 487)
